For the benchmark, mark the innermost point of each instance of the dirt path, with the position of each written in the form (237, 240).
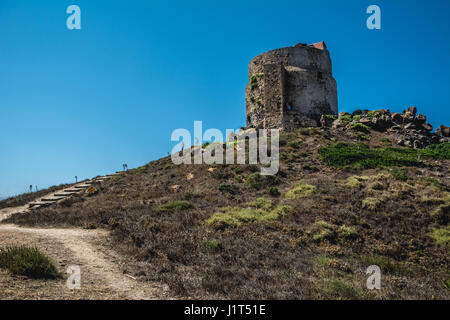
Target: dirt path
(101, 267)
(7, 212)
(84, 248)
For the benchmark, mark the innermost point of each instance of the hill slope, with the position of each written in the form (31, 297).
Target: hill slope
(342, 201)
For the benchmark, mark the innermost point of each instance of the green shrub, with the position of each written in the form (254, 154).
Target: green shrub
(372, 114)
(441, 213)
(273, 191)
(386, 141)
(260, 203)
(311, 167)
(259, 210)
(323, 261)
(373, 203)
(437, 151)
(296, 144)
(361, 136)
(258, 181)
(174, 206)
(254, 180)
(441, 236)
(386, 265)
(338, 289)
(212, 245)
(168, 166)
(346, 119)
(139, 170)
(285, 137)
(239, 179)
(322, 230)
(228, 188)
(254, 80)
(377, 185)
(305, 131)
(360, 127)
(362, 157)
(432, 200)
(238, 170)
(253, 99)
(356, 181)
(347, 233)
(400, 174)
(300, 190)
(30, 262)
(439, 185)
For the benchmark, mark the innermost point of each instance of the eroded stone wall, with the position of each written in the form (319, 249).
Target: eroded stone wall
(290, 87)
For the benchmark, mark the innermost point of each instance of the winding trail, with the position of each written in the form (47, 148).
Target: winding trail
(86, 248)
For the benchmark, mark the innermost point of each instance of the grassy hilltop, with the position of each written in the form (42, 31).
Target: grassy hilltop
(345, 197)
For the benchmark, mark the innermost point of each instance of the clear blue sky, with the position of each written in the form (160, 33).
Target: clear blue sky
(83, 102)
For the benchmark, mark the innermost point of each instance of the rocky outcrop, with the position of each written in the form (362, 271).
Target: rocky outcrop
(443, 131)
(411, 128)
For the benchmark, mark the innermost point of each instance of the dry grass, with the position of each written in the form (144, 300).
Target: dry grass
(253, 248)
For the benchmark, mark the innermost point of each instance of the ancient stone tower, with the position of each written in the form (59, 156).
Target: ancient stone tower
(290, 87)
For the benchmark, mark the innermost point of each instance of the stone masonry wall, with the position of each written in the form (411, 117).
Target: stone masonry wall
(290, 87)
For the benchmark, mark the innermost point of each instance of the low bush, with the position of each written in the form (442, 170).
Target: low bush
(300, 190)
(258, 181)
(441, 236)
(259, 210)
(273, 191)
(26, 261)
(400, 174)
(439, 185)
(174, 206)
(359, 127)
(322, 230)
(254, 80)
(441, 213)
(356, 181)
(339, 289)
(438, 151)
(212, 245)
(228, 188)
(361, 136)
(373, 203)
(346, 119)
(347, 233)
(386, 265)
(362, 157)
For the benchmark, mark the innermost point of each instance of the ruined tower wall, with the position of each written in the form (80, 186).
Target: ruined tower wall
(274, 94)
(290, 88)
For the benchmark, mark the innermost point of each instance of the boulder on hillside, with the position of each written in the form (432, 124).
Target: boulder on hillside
(413, 110)
(382, 123)
(397, 117)
(408, 117)
(427, 127)
(410, 126)
(420, 119)
(443, 131)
